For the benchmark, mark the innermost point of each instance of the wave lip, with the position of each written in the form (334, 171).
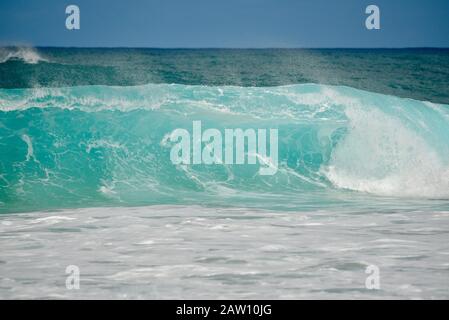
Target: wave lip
(25, 54)
(403, 154)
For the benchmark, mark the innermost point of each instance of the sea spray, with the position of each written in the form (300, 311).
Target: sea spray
(26, 54)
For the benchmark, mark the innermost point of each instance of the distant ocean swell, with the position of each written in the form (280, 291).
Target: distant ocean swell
(25, 54)
(105, 145)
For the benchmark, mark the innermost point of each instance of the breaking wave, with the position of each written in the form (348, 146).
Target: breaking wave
(96, 145)
(25, 54)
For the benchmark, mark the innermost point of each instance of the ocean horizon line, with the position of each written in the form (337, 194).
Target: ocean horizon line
(223, 48)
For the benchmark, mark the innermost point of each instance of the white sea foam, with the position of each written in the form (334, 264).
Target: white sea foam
(381, 155)
(30, 151)
(163, 252)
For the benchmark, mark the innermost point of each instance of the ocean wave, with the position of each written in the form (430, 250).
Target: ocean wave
(103, 144)
(25, 54)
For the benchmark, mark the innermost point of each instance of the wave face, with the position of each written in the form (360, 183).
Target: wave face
(105, 145)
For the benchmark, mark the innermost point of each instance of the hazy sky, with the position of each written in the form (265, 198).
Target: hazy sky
(226, 23)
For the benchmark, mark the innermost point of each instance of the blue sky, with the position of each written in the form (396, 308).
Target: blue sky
(225, 23)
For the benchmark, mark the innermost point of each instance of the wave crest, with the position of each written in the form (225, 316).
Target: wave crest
(385, 156)
(26, 54)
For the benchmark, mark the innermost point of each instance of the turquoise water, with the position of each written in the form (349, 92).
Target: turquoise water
(86, 176)
(104, 145)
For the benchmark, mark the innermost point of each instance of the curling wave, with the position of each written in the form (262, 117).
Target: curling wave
(97, 145)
